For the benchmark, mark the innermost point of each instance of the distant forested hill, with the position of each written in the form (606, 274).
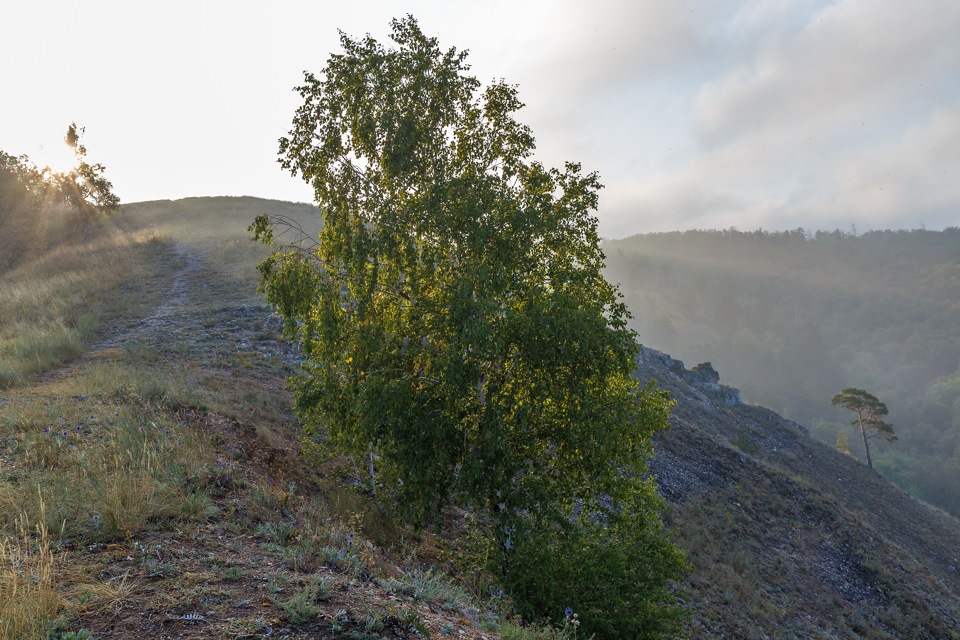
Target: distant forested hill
(791, 318)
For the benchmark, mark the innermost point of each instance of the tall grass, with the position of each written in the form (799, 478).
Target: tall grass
(107, 477)
(28, 593)
(53, 306)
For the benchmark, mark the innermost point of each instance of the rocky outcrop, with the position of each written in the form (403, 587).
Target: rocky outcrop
(702, 377)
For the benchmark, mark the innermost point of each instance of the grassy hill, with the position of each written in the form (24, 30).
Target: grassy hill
(152, 482)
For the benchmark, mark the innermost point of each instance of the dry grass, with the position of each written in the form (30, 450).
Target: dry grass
(110, 595)
(28, 595)
(53, 306)
(103, 469)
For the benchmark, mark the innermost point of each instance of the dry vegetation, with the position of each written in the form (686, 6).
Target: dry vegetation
(151, 483)
(51, 307)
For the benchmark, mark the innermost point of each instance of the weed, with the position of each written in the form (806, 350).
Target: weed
(302, 556)
(302, 605)
(412, 620)
(82, 634)
(343, 560)
(425, 584)
(232, 574)
(514, 630)
(372, 625)
(742, 440)
(277, 581)
(283, 533)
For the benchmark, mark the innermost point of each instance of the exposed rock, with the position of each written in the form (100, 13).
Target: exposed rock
(702, 377)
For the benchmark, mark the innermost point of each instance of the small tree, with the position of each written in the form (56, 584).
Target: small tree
(84, 188)
(843, 442)
(459, 334)
(869, 411)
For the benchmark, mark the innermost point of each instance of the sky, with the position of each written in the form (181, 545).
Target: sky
(707, 114)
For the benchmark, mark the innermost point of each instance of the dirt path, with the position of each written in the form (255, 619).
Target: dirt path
(203, 315)
(233, 574)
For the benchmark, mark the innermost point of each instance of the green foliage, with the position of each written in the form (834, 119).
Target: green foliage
(742, 440)
(843, 443)
(869, 411)
(23, 192)
(606, 564)
(458, 333)
(84, 188)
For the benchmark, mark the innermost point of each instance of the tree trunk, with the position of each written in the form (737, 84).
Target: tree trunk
(373, 478)
(866, 445)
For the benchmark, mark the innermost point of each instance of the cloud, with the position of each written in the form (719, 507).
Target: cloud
(853, 59)
(696, 113)
(847, 113)
(916, 180)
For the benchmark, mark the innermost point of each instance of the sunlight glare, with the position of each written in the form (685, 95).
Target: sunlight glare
(54, 153)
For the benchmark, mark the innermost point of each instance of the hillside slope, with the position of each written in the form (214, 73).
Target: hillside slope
(792, 318)
(163, 461)
(221, 529)
(787, 537)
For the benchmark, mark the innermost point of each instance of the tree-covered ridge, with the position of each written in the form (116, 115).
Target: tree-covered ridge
(789, 317)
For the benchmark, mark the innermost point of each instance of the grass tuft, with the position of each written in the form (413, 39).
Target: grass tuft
(28, 594)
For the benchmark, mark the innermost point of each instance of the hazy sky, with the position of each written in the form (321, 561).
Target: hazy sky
(702, 114)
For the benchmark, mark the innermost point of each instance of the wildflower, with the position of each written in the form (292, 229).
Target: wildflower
(568, 612)
(508, 544)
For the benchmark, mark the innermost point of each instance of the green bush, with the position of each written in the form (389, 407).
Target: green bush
(608, 567)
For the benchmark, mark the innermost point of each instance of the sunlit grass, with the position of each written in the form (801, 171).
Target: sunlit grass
(217, 228)
(53, 306)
